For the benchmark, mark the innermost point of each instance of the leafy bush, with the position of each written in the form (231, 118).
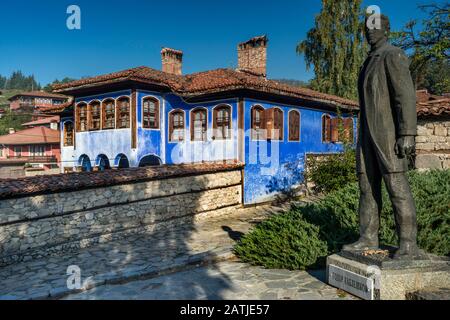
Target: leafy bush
(331, 222)
(323, 172)
(283, 242)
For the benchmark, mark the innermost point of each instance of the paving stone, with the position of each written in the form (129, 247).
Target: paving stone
(142, 256)
(206, 283)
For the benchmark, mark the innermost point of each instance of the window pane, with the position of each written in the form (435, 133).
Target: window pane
(199, 125)
(177, 133)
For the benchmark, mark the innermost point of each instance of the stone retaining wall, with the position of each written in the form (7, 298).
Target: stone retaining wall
(433, 144)
(39, 224)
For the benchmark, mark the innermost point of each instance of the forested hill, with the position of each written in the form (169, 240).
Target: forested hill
(292, 82)
(19, 81)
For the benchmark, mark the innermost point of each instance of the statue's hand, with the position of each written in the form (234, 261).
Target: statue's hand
(405, 146)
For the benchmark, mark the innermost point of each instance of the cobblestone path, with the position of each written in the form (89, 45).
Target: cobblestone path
(164, 258)
(224, 280)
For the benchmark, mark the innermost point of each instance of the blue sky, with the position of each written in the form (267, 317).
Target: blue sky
(120, 34)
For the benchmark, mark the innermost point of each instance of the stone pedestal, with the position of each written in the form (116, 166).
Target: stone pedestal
(374, 275)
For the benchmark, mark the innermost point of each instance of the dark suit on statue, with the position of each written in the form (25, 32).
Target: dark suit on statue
(388, 111)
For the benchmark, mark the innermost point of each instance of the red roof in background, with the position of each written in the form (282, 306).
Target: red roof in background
(38, 94)
(431, 105)
(35, 135)
(213, 81)
(55, 109)
(42, 121)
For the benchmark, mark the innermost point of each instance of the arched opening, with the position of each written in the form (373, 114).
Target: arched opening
(258, 124)
(278, 124)
(108, 114)
(81, 117)
(94, 115)
(294, 125)
(85, 163)
(326, 128)
(150, 113)
(150, 160)
(176, 125)
(199, 124)
(121, 161)
(123, 112)
(102, 162)
(222, 122)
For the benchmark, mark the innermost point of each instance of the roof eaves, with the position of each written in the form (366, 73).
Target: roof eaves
(91, 85)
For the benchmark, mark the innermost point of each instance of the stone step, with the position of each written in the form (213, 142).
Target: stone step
(430, 294)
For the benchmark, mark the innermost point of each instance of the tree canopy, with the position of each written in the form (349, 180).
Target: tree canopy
(14, 121)
(336, 48)
(19, 81)
(428, 45)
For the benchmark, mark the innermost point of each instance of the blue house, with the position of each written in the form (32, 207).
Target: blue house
(142, 117)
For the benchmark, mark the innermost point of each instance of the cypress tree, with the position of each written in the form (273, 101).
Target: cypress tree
(336, 47)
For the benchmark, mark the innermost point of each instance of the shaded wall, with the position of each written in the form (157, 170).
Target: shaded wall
(43, 218)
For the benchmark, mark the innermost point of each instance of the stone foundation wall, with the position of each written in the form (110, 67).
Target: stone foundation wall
(433, 144)
(35, 225)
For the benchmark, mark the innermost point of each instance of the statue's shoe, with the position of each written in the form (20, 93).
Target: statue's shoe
(410, 252)
(361, 245)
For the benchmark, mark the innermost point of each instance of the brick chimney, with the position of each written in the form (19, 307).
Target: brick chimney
(171, 60)
(252, 55)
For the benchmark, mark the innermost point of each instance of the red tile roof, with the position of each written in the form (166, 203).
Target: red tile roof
(434, 108)
(74, 181)
(35, 135)
(214, 81)
(432, 105)
(55, 109)
(228, 79)
(45, 120)
(39, 94)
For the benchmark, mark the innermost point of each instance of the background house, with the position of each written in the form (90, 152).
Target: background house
(33, 104)
(35, 99)
(51, 122)
(31, 151)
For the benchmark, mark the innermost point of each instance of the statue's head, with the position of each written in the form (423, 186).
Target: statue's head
(373, 34)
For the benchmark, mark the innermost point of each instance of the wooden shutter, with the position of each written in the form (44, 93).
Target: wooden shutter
(279, 124)
(252, 120)
(132, 116)
(88, 117)
(269, 122)
(294, 126)
(77, 118)
(192, 125)
(326, 128)
(241, 134)
(157, 119)
(103, 114)
(171, 126)
(117, 113)
(215, 113)
(334, 130)
(348, 130)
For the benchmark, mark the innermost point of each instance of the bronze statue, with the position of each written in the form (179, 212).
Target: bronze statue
(388, 123)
